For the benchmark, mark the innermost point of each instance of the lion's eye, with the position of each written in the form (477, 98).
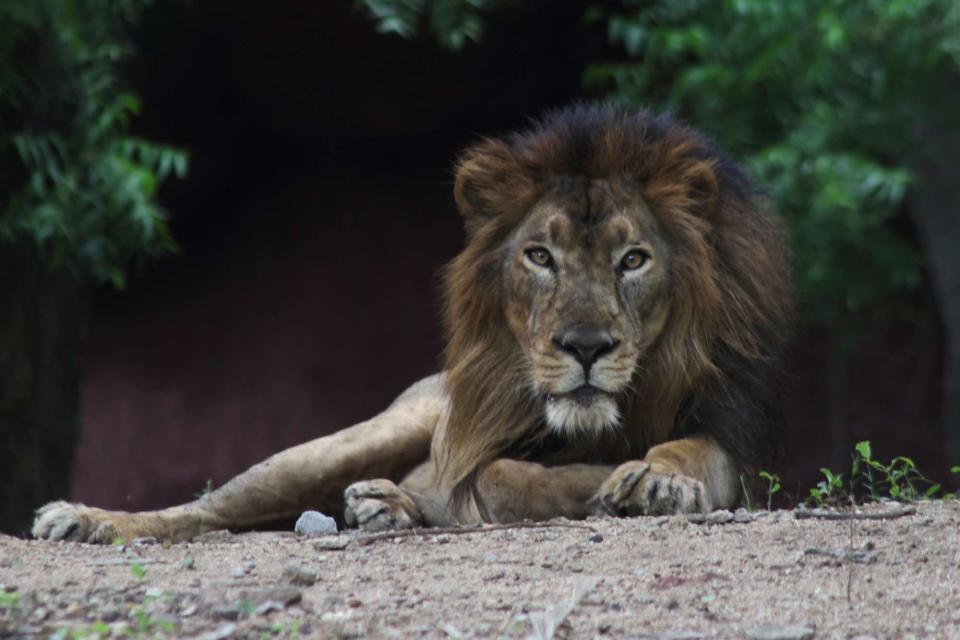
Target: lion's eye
(540, 257)
(634, 260)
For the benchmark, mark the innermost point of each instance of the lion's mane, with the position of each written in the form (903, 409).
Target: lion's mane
(714, 369)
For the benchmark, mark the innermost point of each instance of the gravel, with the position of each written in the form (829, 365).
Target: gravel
(774, 575)
(789, 632)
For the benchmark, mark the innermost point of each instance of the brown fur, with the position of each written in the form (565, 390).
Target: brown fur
(730, 284)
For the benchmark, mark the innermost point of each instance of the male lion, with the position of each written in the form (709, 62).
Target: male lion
(613, 332)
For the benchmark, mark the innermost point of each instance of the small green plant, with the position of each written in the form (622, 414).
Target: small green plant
(829, 491)
(872, 480)
(745, 492)
(9, 599)
(899, 479)
(146, 624)
(773, 486)
(291, 631)
(137, 571)
(246, 609)
(98, 629)
(207, 488)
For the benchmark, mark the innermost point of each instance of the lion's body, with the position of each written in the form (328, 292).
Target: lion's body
(613, 332)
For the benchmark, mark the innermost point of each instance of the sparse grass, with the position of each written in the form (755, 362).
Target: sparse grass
(9, 600)
(291, 630)
(773, 486)
(872, 480)
(207, 488)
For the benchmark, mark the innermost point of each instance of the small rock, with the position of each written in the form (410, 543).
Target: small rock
(331, 543)
(672, 604)
(188, 611)
(785, 632)
(269, 606)
(720, 516)
(220, 633)
(677, 635)
(696, 518)
(110, 615)
(596, 538)
(238, 572)
(224, 613)
(298, 574)
(660, 521)
(144, 541)
(284, 595)
(314, 523)
(742, 516)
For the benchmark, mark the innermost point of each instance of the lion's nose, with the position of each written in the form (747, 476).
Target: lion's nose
(586, 342)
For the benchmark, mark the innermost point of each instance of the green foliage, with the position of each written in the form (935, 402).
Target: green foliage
(829, 491)
(773, 486)
(820, 99)
(207, 488)
(9, 599)
(452, 22)
(72, 179)
(137, 571)
(899, 479)
(873, 480)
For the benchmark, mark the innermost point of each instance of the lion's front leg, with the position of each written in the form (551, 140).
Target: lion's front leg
(692, 475)
(515, 490)
(309, 476)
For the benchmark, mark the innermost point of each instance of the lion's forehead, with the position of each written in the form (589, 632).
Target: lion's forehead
(605, 220)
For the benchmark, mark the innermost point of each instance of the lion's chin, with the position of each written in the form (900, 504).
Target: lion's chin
(574, 413)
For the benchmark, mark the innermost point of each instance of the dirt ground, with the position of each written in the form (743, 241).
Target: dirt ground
(776, 576)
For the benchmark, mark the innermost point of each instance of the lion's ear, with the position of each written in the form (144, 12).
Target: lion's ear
(703, 186)
(490, 181)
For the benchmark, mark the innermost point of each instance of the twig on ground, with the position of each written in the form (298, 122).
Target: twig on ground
(407, 533)
(827, 514)
(110, 562)
(546, 623)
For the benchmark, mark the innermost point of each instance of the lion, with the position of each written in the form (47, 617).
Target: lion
(614, 328)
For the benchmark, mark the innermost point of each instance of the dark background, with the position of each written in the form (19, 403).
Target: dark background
(314, 220)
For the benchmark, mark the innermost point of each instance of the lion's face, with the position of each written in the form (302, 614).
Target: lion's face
(586, 282)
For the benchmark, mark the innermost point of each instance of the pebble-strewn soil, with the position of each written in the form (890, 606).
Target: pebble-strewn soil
(622, 578)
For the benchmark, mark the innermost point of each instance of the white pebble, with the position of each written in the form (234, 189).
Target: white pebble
(314, 523)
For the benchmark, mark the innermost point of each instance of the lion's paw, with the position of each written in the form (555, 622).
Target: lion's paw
(380, 505)
(75, 522)
(641, 488)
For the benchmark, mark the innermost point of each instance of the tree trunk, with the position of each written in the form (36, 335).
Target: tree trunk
(44, 316)
(935, 208)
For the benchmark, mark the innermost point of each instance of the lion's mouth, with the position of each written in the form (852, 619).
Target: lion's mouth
(583, 396)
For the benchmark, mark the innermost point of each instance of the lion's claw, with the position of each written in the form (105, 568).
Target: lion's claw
(639, 488)
(379, 505)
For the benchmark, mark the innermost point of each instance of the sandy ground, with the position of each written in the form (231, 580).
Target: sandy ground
(621, 578)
